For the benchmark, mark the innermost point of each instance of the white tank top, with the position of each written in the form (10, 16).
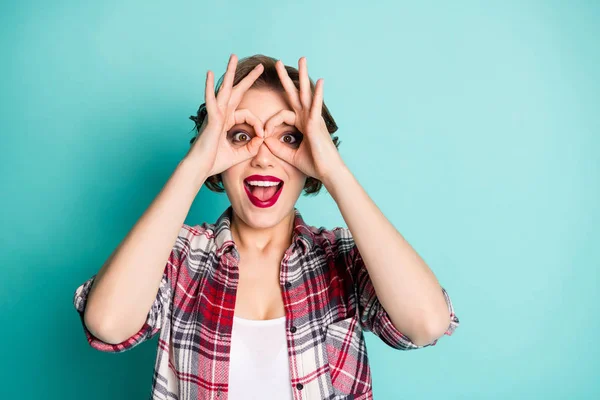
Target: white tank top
(258, 366)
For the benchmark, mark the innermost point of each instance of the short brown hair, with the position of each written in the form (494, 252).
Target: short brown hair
(268, 79)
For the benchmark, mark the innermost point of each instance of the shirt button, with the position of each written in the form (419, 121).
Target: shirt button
(288, 285)
(299, 386)
(293, 329)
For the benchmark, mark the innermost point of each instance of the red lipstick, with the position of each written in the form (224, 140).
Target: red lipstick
(263, 178)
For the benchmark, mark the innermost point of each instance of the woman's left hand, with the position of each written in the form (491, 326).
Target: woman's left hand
(316, 155)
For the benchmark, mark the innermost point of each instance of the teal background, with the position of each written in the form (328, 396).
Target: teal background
(472, 125)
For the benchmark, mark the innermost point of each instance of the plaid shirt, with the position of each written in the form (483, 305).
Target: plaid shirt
(328, 297)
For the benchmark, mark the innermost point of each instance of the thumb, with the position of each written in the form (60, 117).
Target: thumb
(280, 150)
(249, 150)
(254, 144)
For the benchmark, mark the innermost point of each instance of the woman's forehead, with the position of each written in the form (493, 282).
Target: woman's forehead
(281, 126)
(264, 103)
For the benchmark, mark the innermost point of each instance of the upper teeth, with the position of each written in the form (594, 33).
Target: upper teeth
(262, 183)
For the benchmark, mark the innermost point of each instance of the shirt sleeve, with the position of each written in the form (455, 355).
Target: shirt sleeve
(159, 311)
(373, 317)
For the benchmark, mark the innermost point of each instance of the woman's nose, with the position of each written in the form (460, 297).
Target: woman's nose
(264, 157)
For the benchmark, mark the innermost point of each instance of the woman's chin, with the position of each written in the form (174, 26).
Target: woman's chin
(260, 218)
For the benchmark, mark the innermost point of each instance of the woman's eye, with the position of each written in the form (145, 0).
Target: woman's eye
(240, 137)
(291, 138)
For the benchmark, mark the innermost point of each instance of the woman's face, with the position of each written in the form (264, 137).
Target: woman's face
(258, 205)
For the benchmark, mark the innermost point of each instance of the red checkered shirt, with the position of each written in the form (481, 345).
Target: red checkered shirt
(329, 302)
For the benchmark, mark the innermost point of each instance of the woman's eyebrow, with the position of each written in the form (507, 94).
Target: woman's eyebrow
(287, 126)
(280, 126)
(243, 124)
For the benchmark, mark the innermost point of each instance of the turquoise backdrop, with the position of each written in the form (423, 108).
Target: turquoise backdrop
(473, 125)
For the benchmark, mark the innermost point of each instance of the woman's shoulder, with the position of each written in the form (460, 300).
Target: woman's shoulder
(203, 229)
(325, 232)
(197, 235)
(331, 237)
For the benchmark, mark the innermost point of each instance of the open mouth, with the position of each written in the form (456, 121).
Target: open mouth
(263, 193)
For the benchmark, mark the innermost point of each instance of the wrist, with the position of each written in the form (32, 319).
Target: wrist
(333, 175)
(194, 168)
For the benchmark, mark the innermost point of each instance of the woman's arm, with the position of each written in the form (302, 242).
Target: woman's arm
(126, 285)
(406, 287)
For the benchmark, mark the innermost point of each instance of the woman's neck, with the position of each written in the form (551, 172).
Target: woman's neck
(262, 241)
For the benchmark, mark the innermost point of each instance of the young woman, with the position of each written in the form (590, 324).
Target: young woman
(260, 305)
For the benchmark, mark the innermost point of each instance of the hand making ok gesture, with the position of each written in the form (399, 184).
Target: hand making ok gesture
(316, 155)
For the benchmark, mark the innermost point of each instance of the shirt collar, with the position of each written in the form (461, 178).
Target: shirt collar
(303, 235)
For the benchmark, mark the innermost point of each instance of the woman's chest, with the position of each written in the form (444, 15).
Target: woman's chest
(258, 292)
(321, 330)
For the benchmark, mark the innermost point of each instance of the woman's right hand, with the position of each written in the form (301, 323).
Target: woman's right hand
(212, 149)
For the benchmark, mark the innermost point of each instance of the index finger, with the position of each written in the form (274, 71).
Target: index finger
(246, 116)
